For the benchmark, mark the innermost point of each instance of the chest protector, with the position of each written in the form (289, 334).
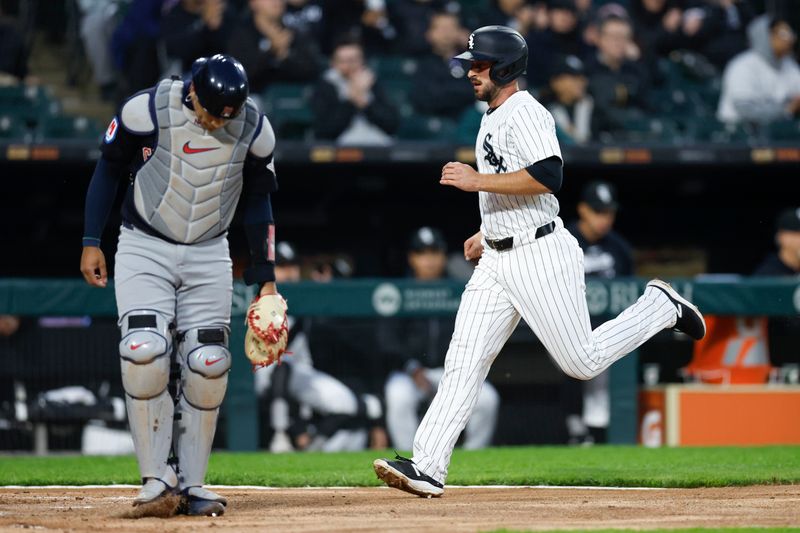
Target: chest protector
(189, 188)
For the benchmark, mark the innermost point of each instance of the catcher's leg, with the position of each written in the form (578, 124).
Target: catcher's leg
(205, 361)
(145, 359)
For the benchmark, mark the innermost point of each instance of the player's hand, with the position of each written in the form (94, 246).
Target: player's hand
(268, 288)
(421, 381)
(461, 176)
(93, 266)
(473, 249)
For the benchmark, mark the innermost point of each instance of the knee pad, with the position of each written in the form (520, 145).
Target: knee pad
(205, 366)
(145, 353)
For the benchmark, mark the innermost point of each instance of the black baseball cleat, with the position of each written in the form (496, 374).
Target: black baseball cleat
(403, 474)
(198, 501)
(690, 319)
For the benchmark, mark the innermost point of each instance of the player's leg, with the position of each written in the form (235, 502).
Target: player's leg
(485, 320)
(480, 426)
(203, 318)
(402, 400)
(545, 280)
(146, 302)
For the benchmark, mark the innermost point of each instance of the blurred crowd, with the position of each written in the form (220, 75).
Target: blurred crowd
(369, 71)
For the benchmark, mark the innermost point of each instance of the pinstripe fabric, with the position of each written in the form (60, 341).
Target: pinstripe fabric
(539, 280)
(514, 136)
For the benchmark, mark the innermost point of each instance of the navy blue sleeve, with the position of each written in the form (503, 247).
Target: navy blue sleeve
(548, 172)
(100, 198)
(260, 229)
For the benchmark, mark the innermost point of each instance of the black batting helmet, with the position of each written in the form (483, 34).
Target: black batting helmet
(220, 83)
(504, 47)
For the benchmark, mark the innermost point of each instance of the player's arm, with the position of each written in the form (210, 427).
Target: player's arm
(121, 143)
(259, 223)
(540, 178)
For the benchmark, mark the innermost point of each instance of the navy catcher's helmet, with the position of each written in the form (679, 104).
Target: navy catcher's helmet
(220, 83)
(504, 47)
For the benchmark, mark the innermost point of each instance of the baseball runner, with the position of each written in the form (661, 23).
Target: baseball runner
(189, 150)
(530, 267)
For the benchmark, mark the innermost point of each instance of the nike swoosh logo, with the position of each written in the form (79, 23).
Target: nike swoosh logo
(210, 362)
(135, 346)
(189, 150)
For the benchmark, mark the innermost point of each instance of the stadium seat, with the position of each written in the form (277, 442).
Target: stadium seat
(468, 125)
(288, 107)
(648, 129)
(66, 127)
(398, 90)
(393, 67)
(783, 130)
(12, 128)
(714, 131)
(420, 127)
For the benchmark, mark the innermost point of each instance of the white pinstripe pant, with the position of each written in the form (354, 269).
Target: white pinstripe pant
(541, 281)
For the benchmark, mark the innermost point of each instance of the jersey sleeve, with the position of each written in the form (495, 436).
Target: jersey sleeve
(259, 164)
(130, 129)
(534, 133)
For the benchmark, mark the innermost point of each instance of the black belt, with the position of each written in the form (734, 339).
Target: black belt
(508, 243)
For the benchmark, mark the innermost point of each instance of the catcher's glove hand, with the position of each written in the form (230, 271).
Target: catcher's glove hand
(267, 330)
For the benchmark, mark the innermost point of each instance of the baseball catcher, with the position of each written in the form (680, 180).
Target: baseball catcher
(189, 151)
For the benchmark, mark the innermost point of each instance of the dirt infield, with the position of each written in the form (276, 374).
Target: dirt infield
(368, 509)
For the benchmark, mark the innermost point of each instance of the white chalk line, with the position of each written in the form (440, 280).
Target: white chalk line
(263, 488)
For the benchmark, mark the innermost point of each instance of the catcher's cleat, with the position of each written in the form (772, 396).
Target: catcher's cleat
(690, 319)
(198, 501)
(152, 490)
(403, 474)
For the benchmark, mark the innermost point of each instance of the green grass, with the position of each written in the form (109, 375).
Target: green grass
(596, 466)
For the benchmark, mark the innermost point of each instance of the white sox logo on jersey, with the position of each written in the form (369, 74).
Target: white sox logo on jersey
(497, 163)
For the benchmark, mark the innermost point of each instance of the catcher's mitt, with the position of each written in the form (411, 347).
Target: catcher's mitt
(267, 330)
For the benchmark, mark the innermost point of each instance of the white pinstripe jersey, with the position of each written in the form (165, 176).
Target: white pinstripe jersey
(515, 135)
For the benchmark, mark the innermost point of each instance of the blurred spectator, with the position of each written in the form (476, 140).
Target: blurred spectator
(306, 17)
(9, 324)
(269, 51)
(13, 55)
(418, 347)
(364, 20)
(135, 46)
(562, 36)
(566, 98)
(784, 332)
(618, 82)
(657, 25)
(517, 14)
(330, 416)
(606, 254)
(762, 83)
(197, 28)
(439, 87)
(412, 19)
(716, 28)
(96, 28)
(349, 106)
(786, 261)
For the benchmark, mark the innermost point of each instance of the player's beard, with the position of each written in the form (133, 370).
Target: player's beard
(486, 91)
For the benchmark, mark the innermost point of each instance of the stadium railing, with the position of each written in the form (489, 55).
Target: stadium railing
(399, 298)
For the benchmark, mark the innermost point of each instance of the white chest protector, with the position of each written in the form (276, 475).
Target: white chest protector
(189, 188)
